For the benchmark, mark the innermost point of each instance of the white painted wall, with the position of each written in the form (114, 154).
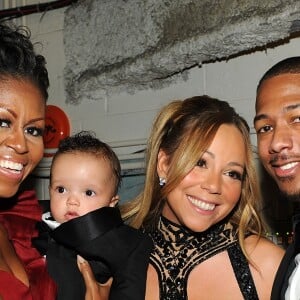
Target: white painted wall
(129, 116)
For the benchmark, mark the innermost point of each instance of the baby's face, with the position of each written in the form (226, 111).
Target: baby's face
(80, 183)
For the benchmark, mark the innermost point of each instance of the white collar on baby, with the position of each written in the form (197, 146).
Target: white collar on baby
(48, 219)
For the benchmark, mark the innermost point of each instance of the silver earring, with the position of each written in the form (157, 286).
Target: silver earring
(162, 181)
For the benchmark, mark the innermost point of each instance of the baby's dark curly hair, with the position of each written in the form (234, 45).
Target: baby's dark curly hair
(87, 142)
(19, 60)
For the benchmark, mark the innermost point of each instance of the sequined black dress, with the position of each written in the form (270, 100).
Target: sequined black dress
(178, 251)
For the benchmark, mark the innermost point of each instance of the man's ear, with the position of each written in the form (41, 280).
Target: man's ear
(162, 164)
(114, 201)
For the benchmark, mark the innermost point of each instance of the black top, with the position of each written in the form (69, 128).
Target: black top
(112, 249)
(178, 251)
(287, 264)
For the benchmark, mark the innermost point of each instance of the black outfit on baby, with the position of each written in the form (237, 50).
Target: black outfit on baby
(112, 248)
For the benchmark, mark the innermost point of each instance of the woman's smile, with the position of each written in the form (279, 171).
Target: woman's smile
(211, 190)
(203, 205)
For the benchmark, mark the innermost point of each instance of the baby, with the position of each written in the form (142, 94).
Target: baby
(84, 180)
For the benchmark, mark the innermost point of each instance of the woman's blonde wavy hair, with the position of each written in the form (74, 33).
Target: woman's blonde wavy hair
(184, 129)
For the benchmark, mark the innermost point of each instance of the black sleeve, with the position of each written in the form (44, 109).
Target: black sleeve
(130, 278)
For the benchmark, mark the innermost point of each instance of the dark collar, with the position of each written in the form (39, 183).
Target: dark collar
(296, 227)
(86, 228)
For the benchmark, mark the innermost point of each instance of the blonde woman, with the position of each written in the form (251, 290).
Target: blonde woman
(200, 205)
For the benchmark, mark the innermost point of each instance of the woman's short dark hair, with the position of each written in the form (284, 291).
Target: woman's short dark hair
(19, 60)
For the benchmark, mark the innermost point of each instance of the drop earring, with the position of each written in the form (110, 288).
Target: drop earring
(162, 181)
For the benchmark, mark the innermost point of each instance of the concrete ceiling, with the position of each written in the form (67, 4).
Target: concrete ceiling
(116, 45)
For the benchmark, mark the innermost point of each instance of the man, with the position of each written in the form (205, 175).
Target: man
(277, 124)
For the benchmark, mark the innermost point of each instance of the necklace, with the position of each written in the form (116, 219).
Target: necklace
(178, 250)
